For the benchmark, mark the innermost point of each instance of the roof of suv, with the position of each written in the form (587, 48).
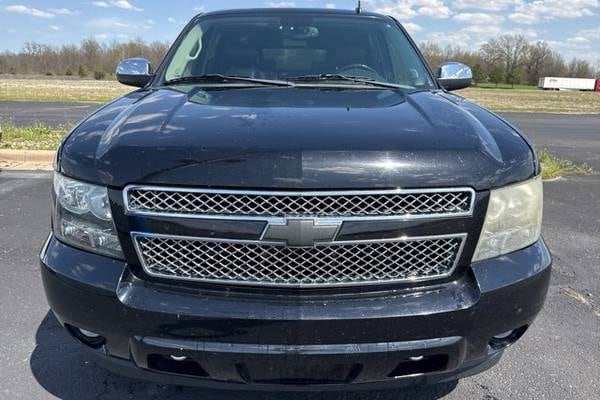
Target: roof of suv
(263, 11)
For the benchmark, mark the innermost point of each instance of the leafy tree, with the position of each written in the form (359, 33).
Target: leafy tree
(513, 77)
(497, 74)
(478, 73)
(82, 71)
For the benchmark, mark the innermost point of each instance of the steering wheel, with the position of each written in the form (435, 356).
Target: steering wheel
(357, 66)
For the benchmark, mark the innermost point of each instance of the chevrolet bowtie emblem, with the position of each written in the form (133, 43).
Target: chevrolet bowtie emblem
(301, 232)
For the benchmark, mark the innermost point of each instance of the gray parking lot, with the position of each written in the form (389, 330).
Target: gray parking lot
(557, 359)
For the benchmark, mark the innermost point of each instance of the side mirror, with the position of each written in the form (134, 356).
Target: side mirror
(454, 75)
(134, 72)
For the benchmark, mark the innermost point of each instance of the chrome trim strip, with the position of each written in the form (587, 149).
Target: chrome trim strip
(461, 236)
(281, 220)
(45, 246)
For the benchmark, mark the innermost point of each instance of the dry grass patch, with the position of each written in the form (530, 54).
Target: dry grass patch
(527, 100)
(60, 90)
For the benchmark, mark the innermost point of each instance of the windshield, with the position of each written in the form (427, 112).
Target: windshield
(298, 47)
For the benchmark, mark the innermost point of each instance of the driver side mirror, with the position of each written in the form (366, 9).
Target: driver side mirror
(134, 72)
(454, 75)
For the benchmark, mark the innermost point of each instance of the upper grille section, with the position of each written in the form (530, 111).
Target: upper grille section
(391, 203)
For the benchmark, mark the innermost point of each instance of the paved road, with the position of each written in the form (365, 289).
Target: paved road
(576, 137)
(53, 114)
(557, 359)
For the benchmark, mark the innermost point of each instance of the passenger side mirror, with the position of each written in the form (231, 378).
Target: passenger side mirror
(454, 75)
(134, 72)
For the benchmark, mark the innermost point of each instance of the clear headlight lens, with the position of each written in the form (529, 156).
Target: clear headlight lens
(82, 217)
(513, 220)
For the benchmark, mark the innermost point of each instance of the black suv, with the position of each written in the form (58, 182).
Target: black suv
(293, 200)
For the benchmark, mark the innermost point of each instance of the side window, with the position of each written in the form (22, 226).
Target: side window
(188, 51)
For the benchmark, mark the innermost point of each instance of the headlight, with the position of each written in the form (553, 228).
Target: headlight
(513, 220)
(82, 217)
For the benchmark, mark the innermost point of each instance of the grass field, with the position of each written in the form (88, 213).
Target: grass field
(528, 100)
(522, 98)
(72, 90)
(505, 86)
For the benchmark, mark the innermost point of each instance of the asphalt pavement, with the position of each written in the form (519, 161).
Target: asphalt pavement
(52, 114)
(557, 359)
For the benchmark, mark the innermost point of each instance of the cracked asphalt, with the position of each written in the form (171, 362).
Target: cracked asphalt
(558, 358)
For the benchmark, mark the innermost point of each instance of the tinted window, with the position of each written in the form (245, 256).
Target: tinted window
(283, 47)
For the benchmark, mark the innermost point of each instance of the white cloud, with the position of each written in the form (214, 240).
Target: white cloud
(486, 5)
(530, 13)
(55, 28)
(105, 36)
(578, 39)
(479, 18)
(281, 4)
(330, 5)
(412, 28)
(407, 9)
(593, 33)
(528, 33)
(453, 38)
(111, 23)
(200, 9)
(523, 18)
(433, 9)
(122, 4)
(34, 12)
(63, 11)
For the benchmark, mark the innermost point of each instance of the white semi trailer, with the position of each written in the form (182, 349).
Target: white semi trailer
(552, 83)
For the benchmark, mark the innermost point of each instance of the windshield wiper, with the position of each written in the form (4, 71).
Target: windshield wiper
(346, 78)
(220, 78)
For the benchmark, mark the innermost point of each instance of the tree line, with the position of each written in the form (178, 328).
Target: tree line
(511, 59)
(508, 59)
(89, 59)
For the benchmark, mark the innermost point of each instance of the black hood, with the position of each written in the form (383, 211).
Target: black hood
(295, 138)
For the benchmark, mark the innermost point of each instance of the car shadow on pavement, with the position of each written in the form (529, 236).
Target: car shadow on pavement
(65, 369)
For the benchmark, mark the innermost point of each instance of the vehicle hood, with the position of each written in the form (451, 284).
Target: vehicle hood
(295, 138)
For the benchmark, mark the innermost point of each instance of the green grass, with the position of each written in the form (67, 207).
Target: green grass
(555, 167)
(33, 137)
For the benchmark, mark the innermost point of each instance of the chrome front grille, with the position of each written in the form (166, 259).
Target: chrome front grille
(342, 263)
(344, 204)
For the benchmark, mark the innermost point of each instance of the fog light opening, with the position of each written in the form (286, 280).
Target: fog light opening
(505, 339)
(89, 338)
(176, 364)
(421, 364)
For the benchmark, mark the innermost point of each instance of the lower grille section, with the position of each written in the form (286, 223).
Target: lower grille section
(343, 263)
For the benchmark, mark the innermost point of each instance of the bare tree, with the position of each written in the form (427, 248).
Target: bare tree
(508, 50)
(580, 69)
(536, 59)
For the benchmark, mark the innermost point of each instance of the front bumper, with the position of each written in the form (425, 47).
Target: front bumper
(295, 341)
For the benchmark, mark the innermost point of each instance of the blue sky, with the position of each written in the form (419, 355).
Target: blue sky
(571, 27)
